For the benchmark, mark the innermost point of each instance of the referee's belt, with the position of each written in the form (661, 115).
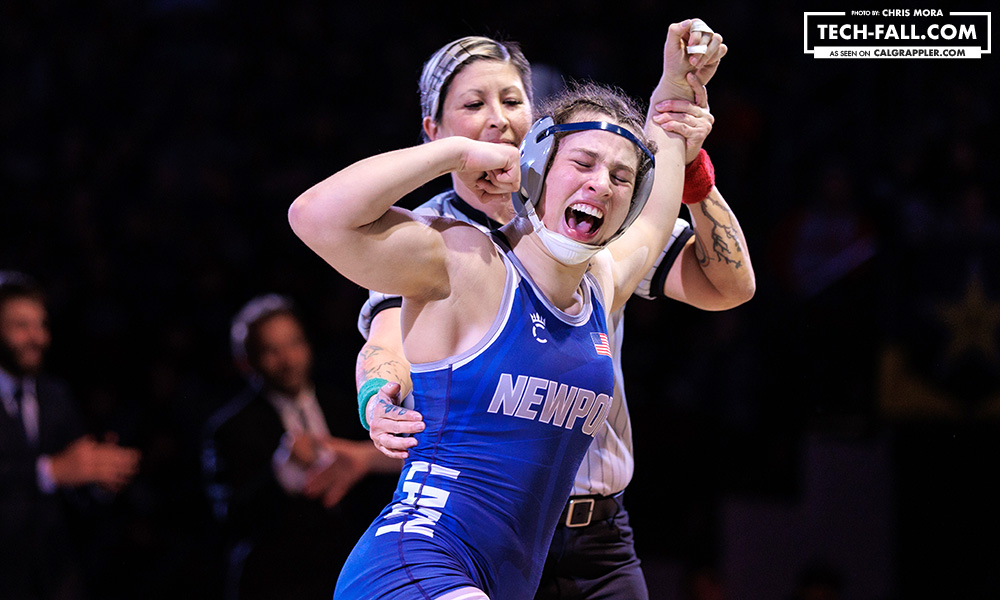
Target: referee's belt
(581, 511)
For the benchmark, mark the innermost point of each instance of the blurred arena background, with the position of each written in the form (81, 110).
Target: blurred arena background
(843, 423)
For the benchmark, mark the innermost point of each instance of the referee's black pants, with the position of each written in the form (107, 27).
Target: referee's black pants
(593, 562)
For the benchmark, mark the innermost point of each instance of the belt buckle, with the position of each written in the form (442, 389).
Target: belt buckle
(571, 512)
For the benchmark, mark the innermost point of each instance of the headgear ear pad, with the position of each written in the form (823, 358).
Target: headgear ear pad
(535, 151)
(641, 194)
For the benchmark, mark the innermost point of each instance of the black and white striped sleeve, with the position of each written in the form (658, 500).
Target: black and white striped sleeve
(651, 286)
(376, 303)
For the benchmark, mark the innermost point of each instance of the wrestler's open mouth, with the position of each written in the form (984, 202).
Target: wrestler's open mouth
(583, 221)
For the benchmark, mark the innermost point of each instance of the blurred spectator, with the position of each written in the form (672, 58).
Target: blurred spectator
(277, 476)
(46, 459)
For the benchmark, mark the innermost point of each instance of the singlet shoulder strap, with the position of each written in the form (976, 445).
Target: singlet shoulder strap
(587, 286)
(511, 281)
(597, 293)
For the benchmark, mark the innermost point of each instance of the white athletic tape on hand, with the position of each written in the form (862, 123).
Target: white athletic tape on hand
(701, 26)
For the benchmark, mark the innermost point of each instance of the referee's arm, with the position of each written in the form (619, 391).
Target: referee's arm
(713, 271)
(382, 357)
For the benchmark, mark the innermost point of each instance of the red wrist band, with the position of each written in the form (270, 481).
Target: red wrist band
(699, 178)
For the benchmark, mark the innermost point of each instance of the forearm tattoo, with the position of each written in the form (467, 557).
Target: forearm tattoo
(725, 237)
(376, 361)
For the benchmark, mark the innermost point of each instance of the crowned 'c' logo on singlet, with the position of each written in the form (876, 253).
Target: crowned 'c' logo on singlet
(538, 323)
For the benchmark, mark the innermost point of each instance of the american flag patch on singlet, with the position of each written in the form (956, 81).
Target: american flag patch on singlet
(601, 343)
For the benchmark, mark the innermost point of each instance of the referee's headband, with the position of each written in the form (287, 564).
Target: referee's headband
(443, 63)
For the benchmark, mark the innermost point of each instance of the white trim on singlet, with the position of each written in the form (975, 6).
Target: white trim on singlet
(465, 593)
(515, 274)
(588, 284)
(506, 303)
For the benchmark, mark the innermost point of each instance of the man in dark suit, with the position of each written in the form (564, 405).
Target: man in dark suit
(45, 456)
(278, 478)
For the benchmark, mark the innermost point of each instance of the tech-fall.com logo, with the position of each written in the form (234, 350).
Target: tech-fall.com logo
(897, 33)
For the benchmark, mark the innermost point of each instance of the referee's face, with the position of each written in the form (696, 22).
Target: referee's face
(486, 101)
(282, 356)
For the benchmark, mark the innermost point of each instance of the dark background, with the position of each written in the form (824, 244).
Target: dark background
(844, 419)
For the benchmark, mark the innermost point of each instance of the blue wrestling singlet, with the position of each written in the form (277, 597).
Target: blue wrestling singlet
(507, 424)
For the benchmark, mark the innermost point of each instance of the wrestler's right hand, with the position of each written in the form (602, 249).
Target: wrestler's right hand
(489, 169)
(392, 425)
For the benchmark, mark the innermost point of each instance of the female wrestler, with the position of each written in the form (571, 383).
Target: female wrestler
(507, 336)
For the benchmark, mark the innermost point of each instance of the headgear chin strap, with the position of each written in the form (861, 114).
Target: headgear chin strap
(567, 251)
(535, 162)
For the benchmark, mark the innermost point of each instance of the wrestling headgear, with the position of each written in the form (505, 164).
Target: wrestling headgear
(535, 162)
